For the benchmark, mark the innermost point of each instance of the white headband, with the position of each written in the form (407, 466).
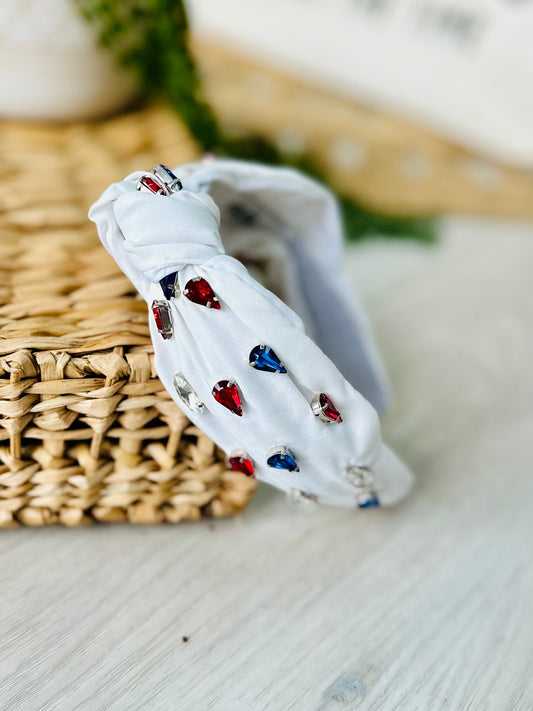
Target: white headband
(304, 429)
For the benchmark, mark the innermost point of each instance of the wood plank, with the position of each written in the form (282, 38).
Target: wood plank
(425, 607)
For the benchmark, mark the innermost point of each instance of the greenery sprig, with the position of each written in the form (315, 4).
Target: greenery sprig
(149, 39)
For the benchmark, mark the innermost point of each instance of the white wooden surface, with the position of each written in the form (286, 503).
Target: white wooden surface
(426, 607)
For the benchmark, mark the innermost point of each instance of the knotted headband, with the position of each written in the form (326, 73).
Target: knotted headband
(247, 370)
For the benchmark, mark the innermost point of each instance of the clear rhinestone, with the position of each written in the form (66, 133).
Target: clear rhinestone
(296, 497)
(360, 477)
(187, 395)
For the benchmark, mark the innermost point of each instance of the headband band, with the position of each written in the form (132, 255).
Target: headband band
(247, 370)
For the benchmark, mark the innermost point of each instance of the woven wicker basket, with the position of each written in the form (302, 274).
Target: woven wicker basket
(87, 430)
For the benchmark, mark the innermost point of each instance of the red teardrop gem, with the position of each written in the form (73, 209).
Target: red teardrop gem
(328, 408)
(227, 393)
(200, 292)
(240, 463)
(150, 184)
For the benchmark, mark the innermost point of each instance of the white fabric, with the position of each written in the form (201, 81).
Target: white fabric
(151, 236)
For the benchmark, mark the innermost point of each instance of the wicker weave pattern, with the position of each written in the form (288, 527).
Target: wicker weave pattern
(87, 430)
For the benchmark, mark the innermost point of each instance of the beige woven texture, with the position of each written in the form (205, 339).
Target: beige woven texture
(86, 429)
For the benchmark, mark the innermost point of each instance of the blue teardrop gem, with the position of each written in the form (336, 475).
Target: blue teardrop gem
(264, 358)
(168, 284)
(283, 459)
(368, 503)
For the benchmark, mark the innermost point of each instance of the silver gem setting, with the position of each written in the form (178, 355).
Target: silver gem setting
(161, 181)
(165, 176)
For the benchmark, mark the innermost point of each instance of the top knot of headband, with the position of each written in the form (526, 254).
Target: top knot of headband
(247, 370)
